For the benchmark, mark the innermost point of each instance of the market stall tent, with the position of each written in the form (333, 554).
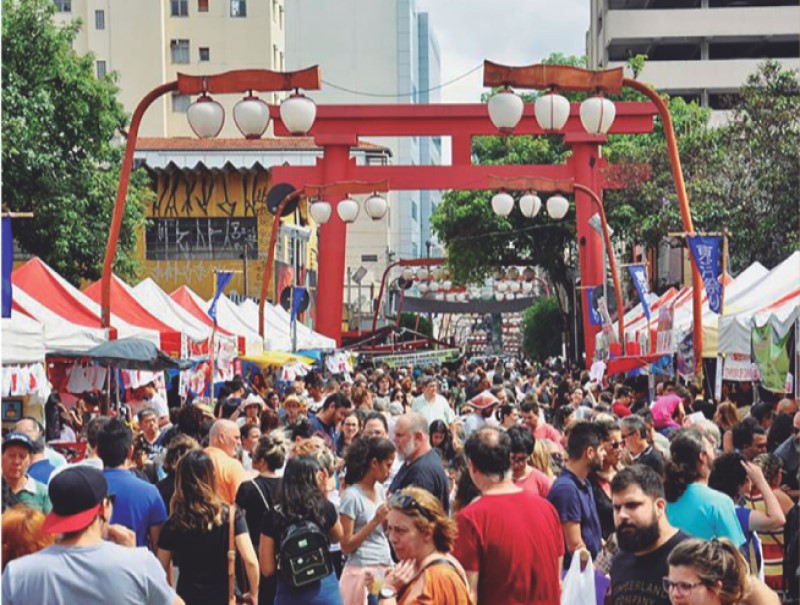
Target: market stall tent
(125, 304)
(188, 300)
(168, 311)
(22, 338)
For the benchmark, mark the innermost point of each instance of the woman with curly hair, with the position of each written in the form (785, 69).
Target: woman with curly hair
(713, 573)
(22, 533)
(302, 497)
(422, 536)
(692, 506)
(362, 513)
(196, 536)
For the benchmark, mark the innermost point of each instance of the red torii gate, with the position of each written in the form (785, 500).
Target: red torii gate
(338, 128)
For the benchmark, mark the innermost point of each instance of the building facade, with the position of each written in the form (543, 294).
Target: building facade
(148, 42)
(374, 53)
(702, 50)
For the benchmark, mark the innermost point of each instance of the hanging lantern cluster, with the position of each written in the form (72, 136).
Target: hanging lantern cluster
(529, 205)
(376, 206)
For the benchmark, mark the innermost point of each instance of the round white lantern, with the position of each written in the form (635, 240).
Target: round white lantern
(502, 204)
(347, 209)
(557, 207)
(552, 111)
(376, 207)
(597, 115)
(408, 274)
(505, 110)
(206, 117)
(320, 211)
(298, 113)
(251, 116)
(529, 205)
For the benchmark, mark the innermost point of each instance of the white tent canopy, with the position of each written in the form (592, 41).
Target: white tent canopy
(278, 326)
(23, 339)
(168, 311)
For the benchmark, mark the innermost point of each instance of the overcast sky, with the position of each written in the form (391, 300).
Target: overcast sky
(510, 32)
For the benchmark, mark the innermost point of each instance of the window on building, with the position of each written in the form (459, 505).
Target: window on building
(282, 63)
(100, 19)
(180, 103)
(238, 8)
(179, 49)
(179, 8)
(274, 11)
(101, 69)
(205, 53)
(202, 6)
(64, 6)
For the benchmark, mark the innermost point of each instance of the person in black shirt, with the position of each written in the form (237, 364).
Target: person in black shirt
(177, 447)
(644, 536)
(633, 431)
(422, 466)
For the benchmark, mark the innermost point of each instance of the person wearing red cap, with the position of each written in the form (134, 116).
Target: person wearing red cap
(83, 567)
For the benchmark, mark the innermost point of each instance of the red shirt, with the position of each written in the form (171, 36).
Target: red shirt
(620, 410)
(513, 541)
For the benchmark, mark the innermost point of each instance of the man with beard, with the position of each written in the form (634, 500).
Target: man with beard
(422, 466)
(571, 493)
(644, 536)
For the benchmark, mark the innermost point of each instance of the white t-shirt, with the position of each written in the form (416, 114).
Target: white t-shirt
(438, 410)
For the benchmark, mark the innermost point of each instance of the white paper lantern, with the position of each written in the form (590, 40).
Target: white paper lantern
(434, 286)
(251, 116)
(502, 204)
(408, 274)
(557, 207)
(529, 205)
(502, 286)
(423, 274)
(376, 207)
(347, 209)
(597, 115)
(298, 113)
(320, 211)
(552, 111)
(505, 110)
(206, 117)
(422, 287)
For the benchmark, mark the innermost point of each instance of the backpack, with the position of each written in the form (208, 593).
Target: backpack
(304, 557)
(791, 556)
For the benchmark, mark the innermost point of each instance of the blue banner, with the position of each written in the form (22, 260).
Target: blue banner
(706, 252)
(297, 300)
(595, 318)
(639, 276)
(223, 278)
(8, 265)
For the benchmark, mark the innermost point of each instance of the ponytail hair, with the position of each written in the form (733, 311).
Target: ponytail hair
(360, 455)
(682, 469)
(717, 563)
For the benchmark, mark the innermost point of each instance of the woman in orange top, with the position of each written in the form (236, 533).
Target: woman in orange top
(422, 536)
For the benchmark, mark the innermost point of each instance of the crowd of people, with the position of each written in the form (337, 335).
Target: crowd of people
(475, 483)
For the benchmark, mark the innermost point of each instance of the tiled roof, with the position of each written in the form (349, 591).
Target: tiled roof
(238, 144)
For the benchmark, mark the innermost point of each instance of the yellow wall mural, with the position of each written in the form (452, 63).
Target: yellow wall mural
(207, 220)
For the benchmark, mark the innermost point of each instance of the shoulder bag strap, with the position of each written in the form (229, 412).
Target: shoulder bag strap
(231, 555)
(260, 493)
(439, 561)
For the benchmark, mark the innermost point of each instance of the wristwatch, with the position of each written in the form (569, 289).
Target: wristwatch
(386, 593)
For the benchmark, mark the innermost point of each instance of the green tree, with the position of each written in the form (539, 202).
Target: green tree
(60, 159)
(414, 321)
(542, 329)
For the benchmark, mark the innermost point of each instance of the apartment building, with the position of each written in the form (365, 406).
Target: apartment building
(702, 50)
(148, 42)
(375, 53)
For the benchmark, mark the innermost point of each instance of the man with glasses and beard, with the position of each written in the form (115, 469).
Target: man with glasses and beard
(644, 535)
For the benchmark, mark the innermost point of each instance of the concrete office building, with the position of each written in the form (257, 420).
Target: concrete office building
(372, 53)
(702, 50)
(147, 42)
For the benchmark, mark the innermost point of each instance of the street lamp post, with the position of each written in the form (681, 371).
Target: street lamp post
(320, 210)
(597, 114)
(206, 117)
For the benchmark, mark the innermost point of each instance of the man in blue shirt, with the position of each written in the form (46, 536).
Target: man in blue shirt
(333, 411)
(137, 503)
(41, 468)
(571, 494)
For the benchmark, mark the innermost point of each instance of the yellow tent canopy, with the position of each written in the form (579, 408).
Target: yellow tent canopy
(277, 358)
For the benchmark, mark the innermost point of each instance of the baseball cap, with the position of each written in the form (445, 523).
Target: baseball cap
(77, 494)
(17, 438)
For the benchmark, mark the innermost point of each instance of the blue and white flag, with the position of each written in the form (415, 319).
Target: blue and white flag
(639, 276)
(8, 265)
(706, 252)
(223, 278)
(595, 318)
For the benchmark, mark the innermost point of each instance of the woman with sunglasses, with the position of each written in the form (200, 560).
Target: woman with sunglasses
(600, 478)
(713, 572)
(422, 536)
(362, 513)
(196, 535)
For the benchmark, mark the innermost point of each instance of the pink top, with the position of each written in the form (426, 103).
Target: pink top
(663, 409)
(536, 482)
(547, 431)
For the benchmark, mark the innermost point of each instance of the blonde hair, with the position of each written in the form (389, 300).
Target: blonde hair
(726, 416)
(316, 448)
(443, 528)
(715, 562)
(540, 458)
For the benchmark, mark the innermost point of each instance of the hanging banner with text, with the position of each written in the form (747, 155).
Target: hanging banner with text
(707, 252)
(771, 355)
(422, 358)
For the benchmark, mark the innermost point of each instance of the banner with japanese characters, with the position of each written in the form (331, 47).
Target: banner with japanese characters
(707, 254)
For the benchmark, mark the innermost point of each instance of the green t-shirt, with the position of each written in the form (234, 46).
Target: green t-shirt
(34, 494)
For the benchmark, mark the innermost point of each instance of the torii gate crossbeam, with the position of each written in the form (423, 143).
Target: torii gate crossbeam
(339, 127)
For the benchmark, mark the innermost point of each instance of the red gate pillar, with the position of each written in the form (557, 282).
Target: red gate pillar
(585, 156)
(332, 246)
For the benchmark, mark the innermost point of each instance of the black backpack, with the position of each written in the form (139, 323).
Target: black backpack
(304, 557)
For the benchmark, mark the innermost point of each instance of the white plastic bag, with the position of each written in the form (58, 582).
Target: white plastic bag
(578, 586)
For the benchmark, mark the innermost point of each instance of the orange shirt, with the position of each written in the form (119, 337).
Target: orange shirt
(229, 471)
(441, 585)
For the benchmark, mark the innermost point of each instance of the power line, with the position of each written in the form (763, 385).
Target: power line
(405, 94)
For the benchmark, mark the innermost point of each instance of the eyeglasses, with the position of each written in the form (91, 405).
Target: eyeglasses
(522, 459)
(406, 502)
(679, 587)
(616, 444)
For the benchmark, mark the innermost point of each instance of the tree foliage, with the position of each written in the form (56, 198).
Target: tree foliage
(417, 322)
(542, 329)
(59, 157)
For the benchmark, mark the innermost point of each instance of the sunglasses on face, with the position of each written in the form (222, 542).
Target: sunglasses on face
(615, 444)
(406, 502)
